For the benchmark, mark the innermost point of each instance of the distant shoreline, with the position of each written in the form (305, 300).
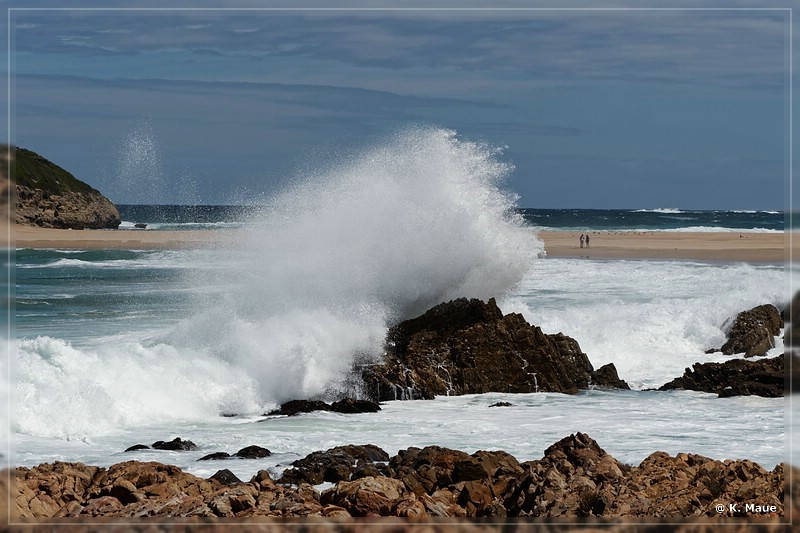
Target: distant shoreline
(721, 246)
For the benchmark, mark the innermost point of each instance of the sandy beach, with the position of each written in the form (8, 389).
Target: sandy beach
(722, 246)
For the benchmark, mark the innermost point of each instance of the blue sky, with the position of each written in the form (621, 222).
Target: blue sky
(597, 109)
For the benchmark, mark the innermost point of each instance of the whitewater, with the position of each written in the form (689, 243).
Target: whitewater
(115, 348)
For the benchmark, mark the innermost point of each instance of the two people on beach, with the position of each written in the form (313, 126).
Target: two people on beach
(584, 241)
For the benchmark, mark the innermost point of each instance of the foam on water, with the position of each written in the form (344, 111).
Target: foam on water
(651, 319)
(309, 284)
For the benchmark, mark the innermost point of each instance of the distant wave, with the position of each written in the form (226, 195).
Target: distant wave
(670, 210)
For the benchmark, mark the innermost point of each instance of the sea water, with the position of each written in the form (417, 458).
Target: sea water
(115, 348)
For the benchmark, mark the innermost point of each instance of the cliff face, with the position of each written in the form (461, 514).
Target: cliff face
(50, 197)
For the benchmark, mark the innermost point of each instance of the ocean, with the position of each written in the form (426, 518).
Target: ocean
(117, 347)
(177, 217)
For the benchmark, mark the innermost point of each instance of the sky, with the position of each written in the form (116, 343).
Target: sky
(623, 108)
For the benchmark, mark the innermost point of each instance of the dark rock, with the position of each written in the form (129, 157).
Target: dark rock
(791, 337)
(253, 452)
(736, 377)
(349, 405)
(175, 444)
(332, 465)
(140, 225)
(501, 404)
(295, 407)
(606, 377)
(136, 447)
(215, 456)
(753, 332)
(470, 347)
(226, 477)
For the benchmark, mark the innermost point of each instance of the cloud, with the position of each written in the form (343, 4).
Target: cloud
(722, 48)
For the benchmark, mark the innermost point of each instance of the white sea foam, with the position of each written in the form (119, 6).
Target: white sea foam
(314, 282)
(651, 319)
(670, 210)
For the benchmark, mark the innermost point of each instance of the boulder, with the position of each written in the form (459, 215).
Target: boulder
(137, 447)
(253, 452)
(175, 444)
(470, 347)
(349, 405)
(333, 465)
(737, 377)
(215, 456)
(225, 477)
(368, 496)
(753, 332)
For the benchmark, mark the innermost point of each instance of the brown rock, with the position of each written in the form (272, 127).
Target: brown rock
(736, 377)
(753, 332)
(366, 496)
(467, 347)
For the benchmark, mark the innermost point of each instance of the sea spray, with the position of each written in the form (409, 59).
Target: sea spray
(339, 255)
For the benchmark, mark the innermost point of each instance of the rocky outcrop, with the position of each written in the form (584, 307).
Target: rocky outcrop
(470, 347)
(575, 478)
(753, 332)
(50, 197)
(736, 377)
(337, 464)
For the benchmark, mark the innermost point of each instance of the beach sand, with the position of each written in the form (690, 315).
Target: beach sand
(723, 246)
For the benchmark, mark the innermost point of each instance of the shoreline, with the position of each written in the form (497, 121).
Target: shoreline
(714, 246)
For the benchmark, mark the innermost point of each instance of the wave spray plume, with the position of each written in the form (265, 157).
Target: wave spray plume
(342, 253)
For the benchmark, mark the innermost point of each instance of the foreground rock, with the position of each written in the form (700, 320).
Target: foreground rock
(50, 197)
(753, 332)
(470, 347)
(737, 377)
(575, 478)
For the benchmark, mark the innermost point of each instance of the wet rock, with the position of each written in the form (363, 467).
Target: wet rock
(501, 404)
(333, 465)
(349, 405)
(295, 407)
(137, 447)
(226, 477)
(470, 347)
(175, 444)
(753, 332)
(253, 452)
(215, 456)
(736, 377)
(606, 377)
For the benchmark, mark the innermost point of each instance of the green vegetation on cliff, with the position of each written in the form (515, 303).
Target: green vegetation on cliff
(34, 171)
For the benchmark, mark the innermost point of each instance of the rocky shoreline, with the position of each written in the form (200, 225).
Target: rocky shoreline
(574, 478)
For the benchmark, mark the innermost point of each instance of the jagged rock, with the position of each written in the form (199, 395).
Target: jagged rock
(50, 197)
(736, 377)
(137, 447)
(606, 377)
(332, 465)
(226, 477)
(470, 347)
(369, 496)
(753, 332)
(501, 404)
(253, 452)
(175, 444)
(574, 478)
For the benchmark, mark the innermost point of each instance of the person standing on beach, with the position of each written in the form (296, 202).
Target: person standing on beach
(587, 240)
(583, 238)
